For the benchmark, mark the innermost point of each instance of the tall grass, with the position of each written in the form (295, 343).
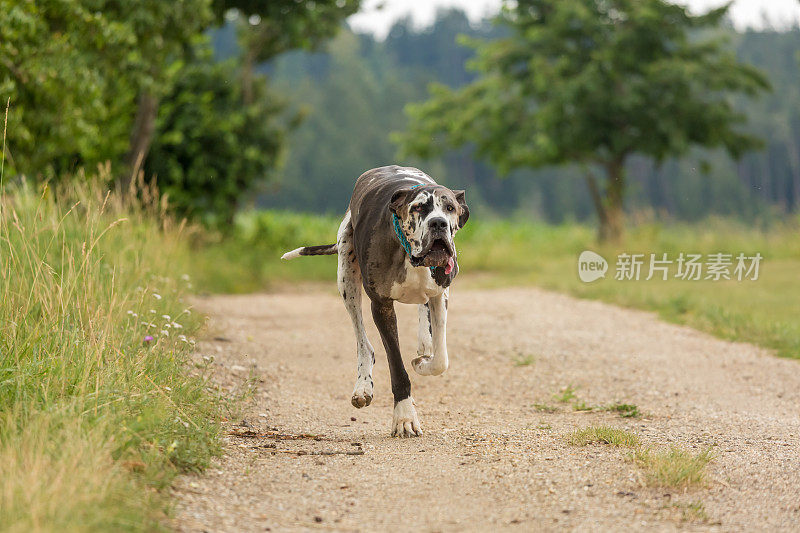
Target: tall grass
(97, 409)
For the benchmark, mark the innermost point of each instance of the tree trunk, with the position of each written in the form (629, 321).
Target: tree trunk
(609, 206)
(794, 165)
(612, 230)
(144, 126)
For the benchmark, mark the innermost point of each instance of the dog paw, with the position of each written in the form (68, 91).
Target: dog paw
(362, 393)
(428, 365)
(405, 422)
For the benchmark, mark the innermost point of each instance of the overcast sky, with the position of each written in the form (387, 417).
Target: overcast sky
(376, 19)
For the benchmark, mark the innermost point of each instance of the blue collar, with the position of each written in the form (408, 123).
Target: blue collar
(401, 236)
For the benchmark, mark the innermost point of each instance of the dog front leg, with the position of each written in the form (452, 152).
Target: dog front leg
(433, 365)
(425, 346)
(404, 422)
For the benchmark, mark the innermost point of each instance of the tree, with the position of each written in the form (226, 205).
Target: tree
(592, 82)
(269, 28)
(210, 149)
(54, 59)
(162, 35)
(74, 71)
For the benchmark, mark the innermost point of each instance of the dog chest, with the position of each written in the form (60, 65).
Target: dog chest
(417, 287)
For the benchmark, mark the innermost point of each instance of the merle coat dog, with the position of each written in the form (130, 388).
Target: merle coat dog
(396, 240)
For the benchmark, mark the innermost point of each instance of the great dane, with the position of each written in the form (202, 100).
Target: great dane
(396, 240)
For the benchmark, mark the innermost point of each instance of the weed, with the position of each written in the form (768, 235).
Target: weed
(524, 360)
(544, 408)
(673, 467)
(694, 511)
(603, 435)
(625, 410)
(566, 395)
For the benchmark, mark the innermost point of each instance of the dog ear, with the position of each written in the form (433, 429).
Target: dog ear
(398, 201)
(461, 198)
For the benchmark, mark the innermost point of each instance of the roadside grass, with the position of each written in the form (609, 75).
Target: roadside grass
(603, 435)
(96, 419)
(524, 360)
(625, 410)
(569, 394)
(518, 251)
(673, 467)
(693, 511)
(565, 395)
(545, 408)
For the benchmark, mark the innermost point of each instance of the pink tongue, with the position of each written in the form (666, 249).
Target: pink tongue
(450, 265)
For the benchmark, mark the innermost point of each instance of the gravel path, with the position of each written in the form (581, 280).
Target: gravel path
(491, 457)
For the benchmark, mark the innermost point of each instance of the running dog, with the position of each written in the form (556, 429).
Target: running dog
(396, 240)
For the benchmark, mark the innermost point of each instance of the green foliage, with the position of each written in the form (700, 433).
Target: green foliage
(210, 149)
(359, 85)
(248, 258)
(221, 131)
(72, 71)
(271, 28)
(90, 80)
(61, 97)
(592, 82)
(346, 125)
(93, 416)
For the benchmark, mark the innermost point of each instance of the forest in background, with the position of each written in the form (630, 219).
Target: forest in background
(352, 93)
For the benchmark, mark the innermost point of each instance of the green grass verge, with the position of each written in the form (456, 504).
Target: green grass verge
(499, 253)
(95, 420)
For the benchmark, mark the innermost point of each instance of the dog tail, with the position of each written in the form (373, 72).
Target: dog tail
(325, 249)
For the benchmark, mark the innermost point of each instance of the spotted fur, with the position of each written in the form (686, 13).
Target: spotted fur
(371, 256)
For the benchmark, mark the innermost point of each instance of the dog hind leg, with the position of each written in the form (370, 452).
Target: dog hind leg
(349, 283)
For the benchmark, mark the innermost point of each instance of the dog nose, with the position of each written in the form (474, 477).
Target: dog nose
(438, 224)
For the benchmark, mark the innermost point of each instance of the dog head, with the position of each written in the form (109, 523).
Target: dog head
(430, 216)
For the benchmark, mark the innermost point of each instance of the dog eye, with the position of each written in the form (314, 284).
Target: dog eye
(451, 208)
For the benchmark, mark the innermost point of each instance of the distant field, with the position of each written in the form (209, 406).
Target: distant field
(521, 252)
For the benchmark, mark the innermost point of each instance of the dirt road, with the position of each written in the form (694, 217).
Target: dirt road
(491, 456)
